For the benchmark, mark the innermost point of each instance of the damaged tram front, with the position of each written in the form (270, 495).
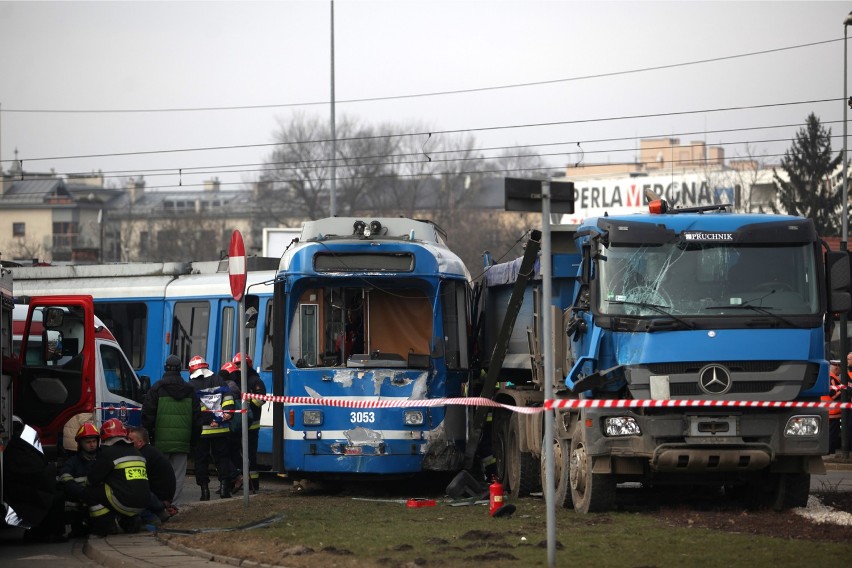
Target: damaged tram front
(374, 312)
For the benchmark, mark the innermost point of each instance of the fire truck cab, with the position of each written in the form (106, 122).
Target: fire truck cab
(70, 363)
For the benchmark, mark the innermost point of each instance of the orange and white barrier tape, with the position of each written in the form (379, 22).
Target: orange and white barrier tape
(548, 404)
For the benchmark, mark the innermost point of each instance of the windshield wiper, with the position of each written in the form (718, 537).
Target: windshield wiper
(760, 309)
(656, 307)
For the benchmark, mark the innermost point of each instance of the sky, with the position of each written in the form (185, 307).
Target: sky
(182, 92)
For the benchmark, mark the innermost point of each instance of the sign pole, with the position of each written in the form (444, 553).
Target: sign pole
(549, 197)
(237, 276)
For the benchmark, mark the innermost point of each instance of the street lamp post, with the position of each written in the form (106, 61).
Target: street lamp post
(844, 246)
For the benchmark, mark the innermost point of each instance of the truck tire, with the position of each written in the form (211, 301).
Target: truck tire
(561, 473)
(790, 490)
(522, 468)
(590, 492)
(518, 471)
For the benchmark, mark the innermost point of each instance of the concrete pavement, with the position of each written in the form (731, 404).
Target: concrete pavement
(146, 550)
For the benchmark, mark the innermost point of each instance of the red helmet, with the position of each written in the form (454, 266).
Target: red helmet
(238, 358)
(113, 428)
(87, 430)
(228, 367)
(196, 363)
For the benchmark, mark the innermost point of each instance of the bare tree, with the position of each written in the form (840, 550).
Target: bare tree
(24, 248)
(520, 162)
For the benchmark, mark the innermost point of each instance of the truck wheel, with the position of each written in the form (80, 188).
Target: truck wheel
(561, 473)
(522, 469)
(499, 443)
(790, 490)
(590, 492)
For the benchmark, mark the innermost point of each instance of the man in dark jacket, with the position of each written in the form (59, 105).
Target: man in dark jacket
(161, 477)
(172, 415)
(118, 482)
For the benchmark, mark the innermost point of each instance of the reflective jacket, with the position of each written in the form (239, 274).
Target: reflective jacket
(217, 403)
(122, 470)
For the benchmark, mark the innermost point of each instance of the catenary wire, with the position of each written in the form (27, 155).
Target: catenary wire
(435, 132)
(436, 93)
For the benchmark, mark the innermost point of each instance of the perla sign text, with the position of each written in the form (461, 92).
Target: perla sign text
(624, 195)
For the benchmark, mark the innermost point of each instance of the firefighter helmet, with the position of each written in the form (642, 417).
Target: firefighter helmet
(228, 367)
(196, 363)
(238, 358)
(87, 430)
(172, 363)
(113, 428)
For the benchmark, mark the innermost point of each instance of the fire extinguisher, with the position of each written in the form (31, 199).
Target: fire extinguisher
(495, 491)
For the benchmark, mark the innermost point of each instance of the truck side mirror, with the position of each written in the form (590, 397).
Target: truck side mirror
(53, 318)
(837, 276)
(51, 342)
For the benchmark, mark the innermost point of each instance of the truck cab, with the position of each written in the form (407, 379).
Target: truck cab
(70, 363)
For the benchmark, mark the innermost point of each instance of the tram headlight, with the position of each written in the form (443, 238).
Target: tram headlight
(802, 426)
(312, 417)
(621, 426)
(413, 417)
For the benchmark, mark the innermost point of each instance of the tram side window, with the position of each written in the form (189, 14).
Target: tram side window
(455, 325)
(128, 322)
(119, 377)
(226, 344)
(267, 353)
(190, 325)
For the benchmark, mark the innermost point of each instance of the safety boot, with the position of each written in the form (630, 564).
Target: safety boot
(226, 490)
(205, 492)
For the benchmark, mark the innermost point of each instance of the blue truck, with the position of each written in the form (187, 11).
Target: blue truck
(691, 304)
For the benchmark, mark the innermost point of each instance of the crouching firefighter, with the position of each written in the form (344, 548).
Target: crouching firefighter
(73, 479)
(118, 482)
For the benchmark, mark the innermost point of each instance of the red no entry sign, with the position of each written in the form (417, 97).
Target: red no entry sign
(237, 265)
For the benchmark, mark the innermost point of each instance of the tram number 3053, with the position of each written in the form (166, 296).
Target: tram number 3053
(362, 417)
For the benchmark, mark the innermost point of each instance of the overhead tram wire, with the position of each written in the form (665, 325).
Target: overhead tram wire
(302, 164)
(322, 162)
(432, 133)
(698, 161)
(434, 93)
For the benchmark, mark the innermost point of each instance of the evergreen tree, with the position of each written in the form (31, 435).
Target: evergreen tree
(809, 165)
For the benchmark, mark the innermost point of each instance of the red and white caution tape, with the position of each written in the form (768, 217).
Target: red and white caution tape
(548, 404)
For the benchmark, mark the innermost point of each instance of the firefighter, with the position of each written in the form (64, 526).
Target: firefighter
(72, 479)
(834, 413)
(217, 406)
(118, 481)
(254, 385)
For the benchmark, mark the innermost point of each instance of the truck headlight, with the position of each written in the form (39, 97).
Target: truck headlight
(413, 417)
(312, 417)
(621, 426)
(802, 426)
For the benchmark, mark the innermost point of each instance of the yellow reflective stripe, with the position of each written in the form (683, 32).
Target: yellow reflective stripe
(119, 508)
(136, 462)
(211, 430)
(255, 426)
(98, 511)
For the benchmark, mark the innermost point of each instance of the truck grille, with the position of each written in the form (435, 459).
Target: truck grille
(694, 367)
(747, 387)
